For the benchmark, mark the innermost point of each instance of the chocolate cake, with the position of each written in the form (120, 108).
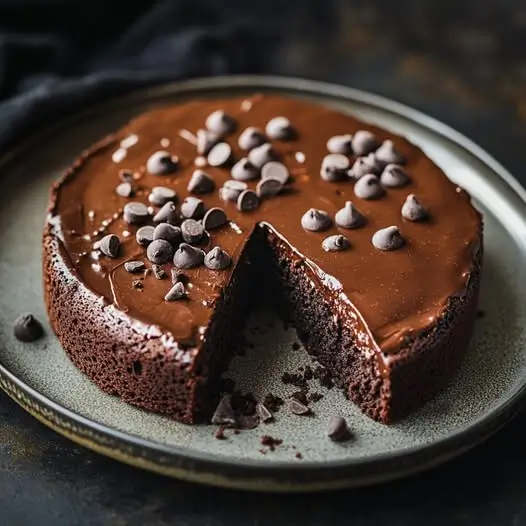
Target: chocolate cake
(163, 237)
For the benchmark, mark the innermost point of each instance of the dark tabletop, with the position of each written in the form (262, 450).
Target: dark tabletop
(463, 62)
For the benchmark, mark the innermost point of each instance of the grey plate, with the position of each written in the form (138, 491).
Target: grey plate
(488, 391)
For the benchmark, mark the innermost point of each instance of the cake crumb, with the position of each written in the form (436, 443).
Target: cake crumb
(323, 376)
(273, 402)
(301, 396)
(315, 397)
(220, 433)
(270, 442)
(298, 455)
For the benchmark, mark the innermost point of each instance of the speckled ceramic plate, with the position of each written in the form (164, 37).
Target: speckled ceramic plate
(487, 392)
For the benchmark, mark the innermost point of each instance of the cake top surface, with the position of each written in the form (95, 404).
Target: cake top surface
(410, 234)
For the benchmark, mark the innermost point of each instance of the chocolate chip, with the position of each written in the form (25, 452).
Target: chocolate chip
(217, 259)
(109, 245)
(126, 176)
(340, 144)
(144, 235)
(200, 183)
(248, 200)
(159, 251)
(368, 187)
(247, 422)
(177, 276)
(133, 267)
(413, 209)
(268, 187)
(161, 195)
(137, 284)
(388, 238)
(220, 154)
(365, 165)
(124, 190)
(349, 216)
(192, 231)
(231, 189)
(262, 155)
(275, 170)
(394, 176)
(301, 396)
(316, 220)
(27, 328)
(158, 272)
(167, 214)
(206, 140)
(192, 208)
(388, 154)
(334, 167)
(335, 243)
(244, 170)
(298, 408)
(264, 413)
(250, 138)
(220, 122)
(279, 128)
(337, 429)
(214, 218)
(135, 213)
(177, 292)
(168, 232)
(187, 256)
(161, 163)
(224, 414)
(363, 142)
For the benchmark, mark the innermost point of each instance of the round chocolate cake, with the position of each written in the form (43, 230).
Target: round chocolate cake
(163, 237)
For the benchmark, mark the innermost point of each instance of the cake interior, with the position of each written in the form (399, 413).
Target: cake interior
(271, 273)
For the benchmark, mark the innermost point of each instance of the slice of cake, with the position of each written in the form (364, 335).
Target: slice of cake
(162, 238)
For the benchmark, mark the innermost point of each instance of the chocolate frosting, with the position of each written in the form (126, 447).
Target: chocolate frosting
(398, 294)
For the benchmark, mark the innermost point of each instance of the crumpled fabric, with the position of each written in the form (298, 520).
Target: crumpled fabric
(58, 56)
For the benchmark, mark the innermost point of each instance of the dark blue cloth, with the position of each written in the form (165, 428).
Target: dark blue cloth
(56, 56)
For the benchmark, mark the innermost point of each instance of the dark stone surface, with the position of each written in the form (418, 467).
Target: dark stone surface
(460, 61)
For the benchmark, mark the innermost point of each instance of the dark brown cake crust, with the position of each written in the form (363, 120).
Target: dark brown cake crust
(146, 366)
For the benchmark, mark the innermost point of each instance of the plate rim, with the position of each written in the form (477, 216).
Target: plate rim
(204, 467)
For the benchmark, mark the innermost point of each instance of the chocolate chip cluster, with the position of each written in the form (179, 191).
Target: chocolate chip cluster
(376, 168)
(173, 231)
(261, 160)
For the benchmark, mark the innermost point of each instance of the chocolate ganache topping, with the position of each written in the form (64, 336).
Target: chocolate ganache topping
(356, 221)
